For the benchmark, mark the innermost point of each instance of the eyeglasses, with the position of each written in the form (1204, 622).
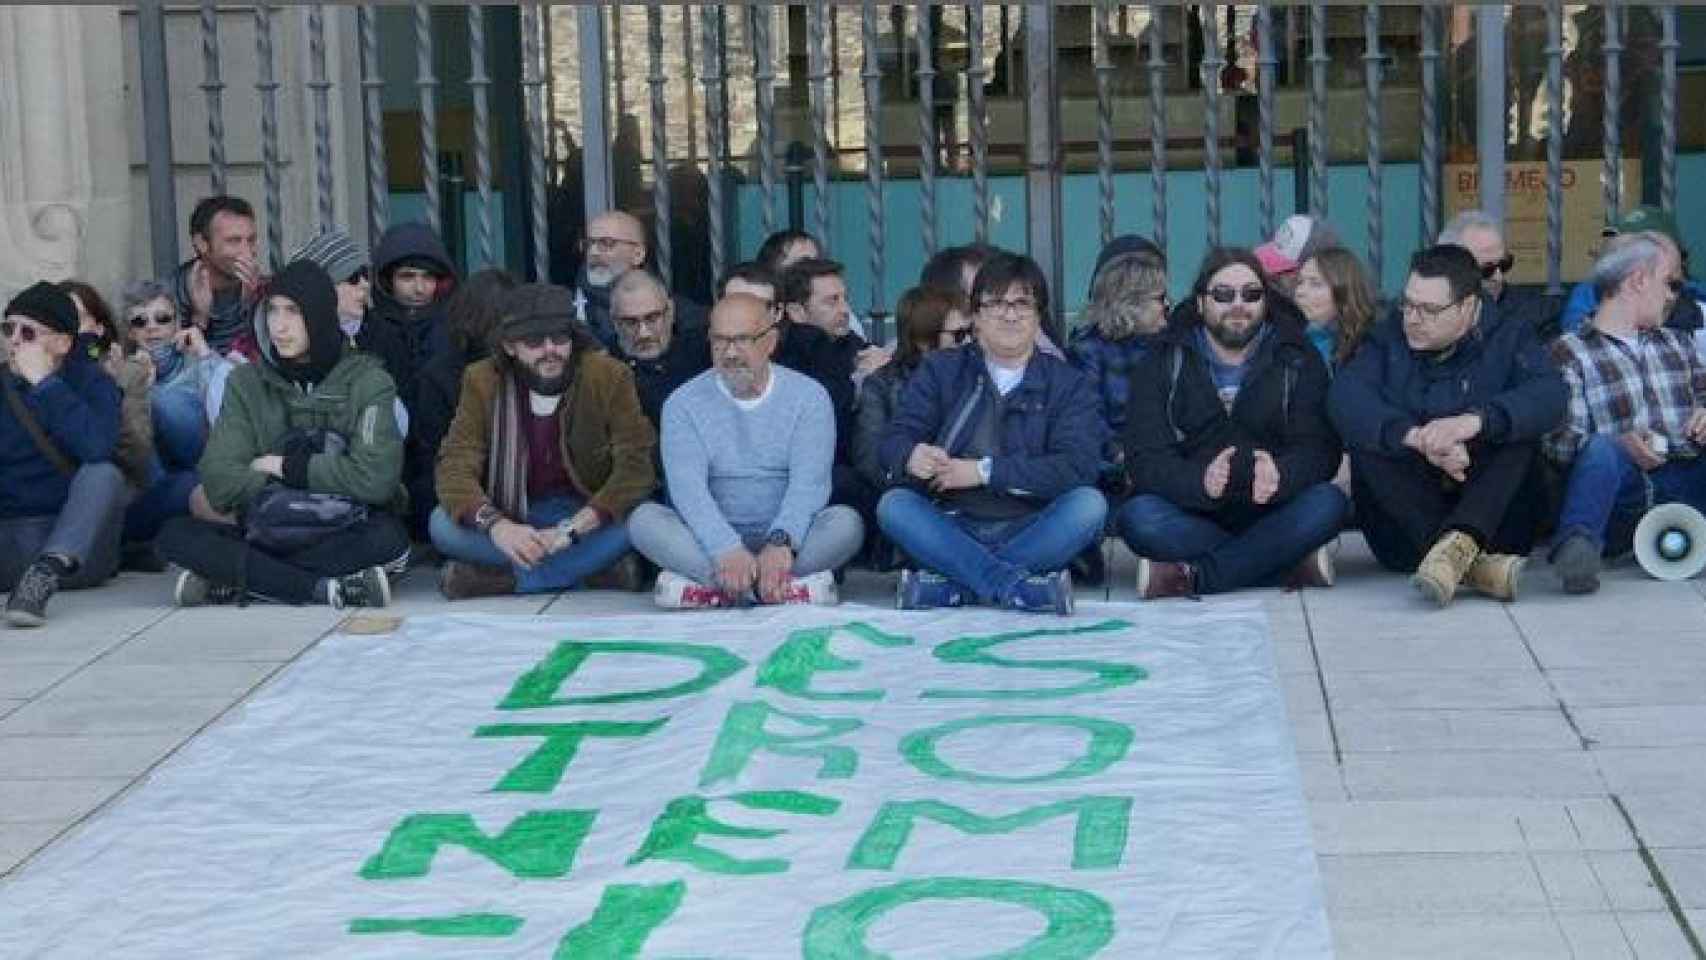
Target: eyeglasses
(1017, 305)
(537, 341)
(1226, 295)
(959, 334)
(740, 340)
(1431, 311)
(606, 244)
(26, 332)
(1675, 284)
(360, 276)
(158, 318)
(1498, 266)
(654, 319)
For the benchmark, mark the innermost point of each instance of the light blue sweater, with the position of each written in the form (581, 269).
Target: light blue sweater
(735, 472)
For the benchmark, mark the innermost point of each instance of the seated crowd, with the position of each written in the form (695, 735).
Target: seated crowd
(309, 436)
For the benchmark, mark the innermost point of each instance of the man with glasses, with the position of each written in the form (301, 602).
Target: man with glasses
(1688, 311)
(1637, 414)
(1484, 238)
(1227, 444)
(661, 356)
(615, 243)
(546, 455)
(1443, 408)
(992, 459)
(748, 448)
(62, 500)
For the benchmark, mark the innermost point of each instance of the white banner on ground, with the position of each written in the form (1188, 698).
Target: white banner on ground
(801, 783)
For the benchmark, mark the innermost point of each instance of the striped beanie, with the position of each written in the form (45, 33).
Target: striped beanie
(335, 252)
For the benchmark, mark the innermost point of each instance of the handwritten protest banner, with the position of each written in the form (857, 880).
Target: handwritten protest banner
(818, 784)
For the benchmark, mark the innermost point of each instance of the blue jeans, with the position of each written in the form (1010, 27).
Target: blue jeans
(1228, 553)
(991, 558)
(559, 571)
(167, 496)
(1607, 492)
(180, 427)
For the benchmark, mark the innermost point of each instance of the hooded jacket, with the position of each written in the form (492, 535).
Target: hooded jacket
(1177, 424)
(425, 330)
(1498, 369)
(333, 388)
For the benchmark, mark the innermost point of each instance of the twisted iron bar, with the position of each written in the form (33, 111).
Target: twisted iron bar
(1317, 125)
(427, 86)
(872, 74)
(1104, 124)
(1430, 122)
(714, 90)
(1668, 46)
(1613, 175)
(322, 114)
(1265, 66)
(763, 78)
(1372, 63)
(268, 89)
(1157, 129)
(1212, 62)
(977, 74)
(1554, 146)
(372, 85)
(660, 144)
(534, 84)
(817, 74)
(479, 81)
(214, 88)
(926, 130)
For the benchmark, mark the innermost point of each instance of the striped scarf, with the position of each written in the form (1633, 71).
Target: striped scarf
(506, 456)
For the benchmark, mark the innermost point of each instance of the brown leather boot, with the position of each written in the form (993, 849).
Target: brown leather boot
(464, 581)
(626, 574)
(1445, 566)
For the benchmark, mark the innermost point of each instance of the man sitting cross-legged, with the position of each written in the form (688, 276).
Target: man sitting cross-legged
(1637, 423)
(747, 452)
(548, 452)
(1228, 446)
(1443, 409)
(996, 447)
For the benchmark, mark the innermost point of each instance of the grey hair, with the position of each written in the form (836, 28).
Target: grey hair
(1466, 221)
(143, 292)
(1119, 300)
(1622, 256)
(636, 280)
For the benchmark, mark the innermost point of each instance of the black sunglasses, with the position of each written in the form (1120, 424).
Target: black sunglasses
(536, 341)
(1225, 295)
(1498, 266)
(357, 277)
(1675, 284)
(25, 332)
(158, 318)
(962, 335)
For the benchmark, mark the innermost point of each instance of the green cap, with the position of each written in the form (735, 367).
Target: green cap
(1646, 218)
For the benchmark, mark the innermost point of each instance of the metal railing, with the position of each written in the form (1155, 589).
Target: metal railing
(892, 63)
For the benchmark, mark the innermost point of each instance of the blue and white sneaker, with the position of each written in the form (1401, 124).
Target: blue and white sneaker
(923, 590)
(1049, 593)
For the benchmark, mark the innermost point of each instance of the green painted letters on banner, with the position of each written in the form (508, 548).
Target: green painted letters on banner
(626, 915)
(806, 652)
(461, 925)
(1105, 675)
(539, 844)
(674, 835)
(1080, 924)
(1098, 843)
(1108, 744)
(744, 734)
(538, 687)
(543, 769)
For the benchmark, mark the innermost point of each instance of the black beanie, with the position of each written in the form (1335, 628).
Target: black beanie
(310, 286)
(47, 305)
(1120, 246)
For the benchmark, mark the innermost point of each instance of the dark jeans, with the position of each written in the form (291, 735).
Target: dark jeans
(990, 558)
(85, 531)
(1234, 549)
(1607, 492)
(218, 552)
(1405, 504)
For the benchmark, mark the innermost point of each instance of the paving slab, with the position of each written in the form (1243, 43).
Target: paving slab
(1395, 730)
(1467, 826)
(1323, 778)
(1564, 774)
(269, 634)
(1643, 726)
(25, 680)
(1406, 884)
(1685, 871)
(59, 714)
(25, 801)
(227, 679)
(1630, 686)
(1483, 936)
(1667, 819)
(20, 840)
(1439, 689)
(1376, 642)
(76, 757)
(1644, 935)
(1653, 769)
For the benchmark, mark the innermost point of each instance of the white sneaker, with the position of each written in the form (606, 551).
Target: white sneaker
(676, 592)
(817, 589)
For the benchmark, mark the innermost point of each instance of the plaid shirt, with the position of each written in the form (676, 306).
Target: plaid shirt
(1654, 385)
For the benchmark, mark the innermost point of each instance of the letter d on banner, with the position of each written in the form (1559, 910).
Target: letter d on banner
(538, 687)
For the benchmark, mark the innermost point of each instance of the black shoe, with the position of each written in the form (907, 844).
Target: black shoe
(27, 606)
(1577, 563)
(141, 558)
(368, 588)
(195, 590)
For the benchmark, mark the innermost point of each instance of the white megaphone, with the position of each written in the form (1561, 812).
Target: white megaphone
(1670, 542)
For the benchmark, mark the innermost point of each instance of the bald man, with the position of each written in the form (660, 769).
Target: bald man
(747, 449)
(616, 242)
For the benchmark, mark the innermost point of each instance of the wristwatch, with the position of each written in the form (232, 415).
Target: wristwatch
(487, 517)
(779, 538)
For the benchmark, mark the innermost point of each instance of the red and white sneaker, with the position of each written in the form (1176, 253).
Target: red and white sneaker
(817, 589)
(676, 592)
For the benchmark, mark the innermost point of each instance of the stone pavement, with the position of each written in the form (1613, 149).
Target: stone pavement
(1490, 780)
